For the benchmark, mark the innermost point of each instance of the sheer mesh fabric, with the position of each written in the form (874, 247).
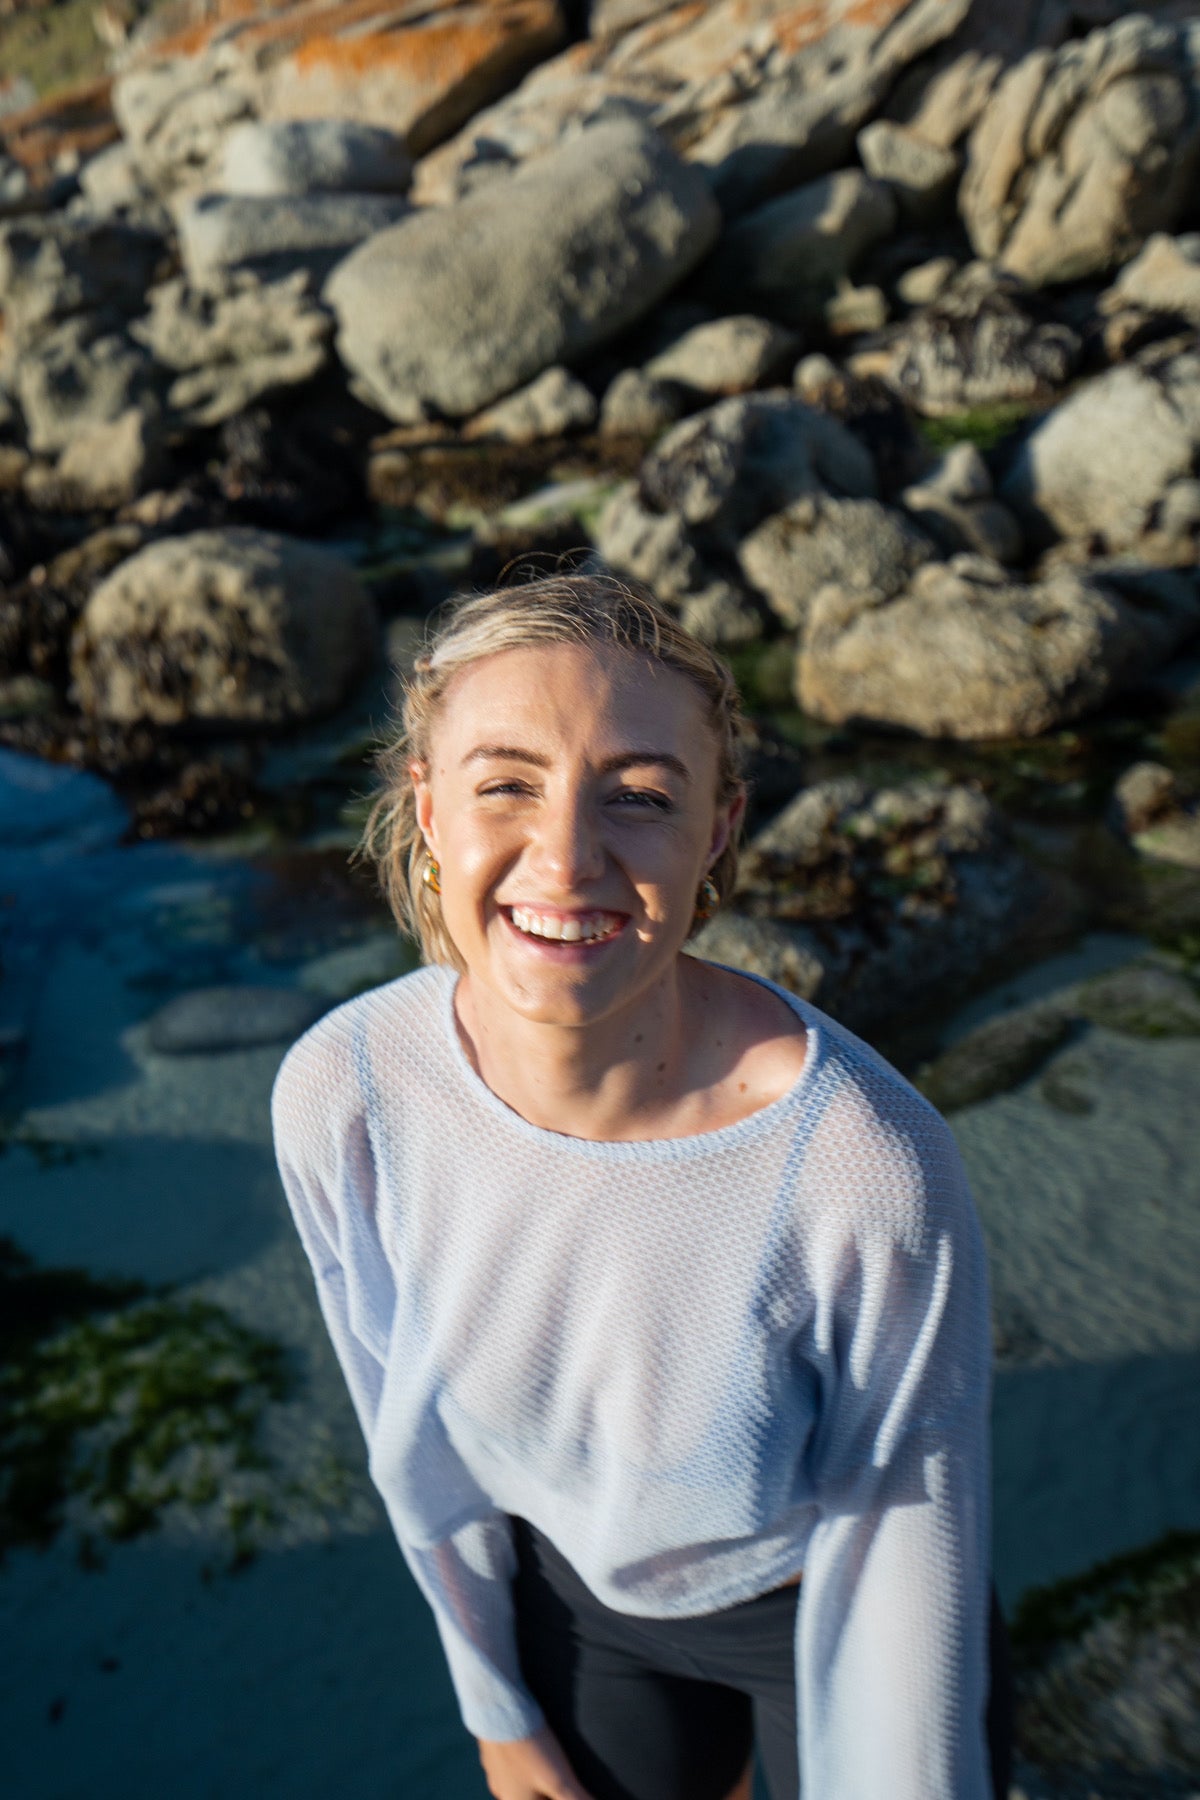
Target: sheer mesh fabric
(698, 1365)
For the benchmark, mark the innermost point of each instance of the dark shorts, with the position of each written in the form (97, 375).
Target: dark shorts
(669, 1709)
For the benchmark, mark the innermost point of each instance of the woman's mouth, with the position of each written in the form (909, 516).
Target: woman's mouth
(592, 927)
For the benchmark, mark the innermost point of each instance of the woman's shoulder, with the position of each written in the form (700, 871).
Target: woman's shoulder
(329, 1070)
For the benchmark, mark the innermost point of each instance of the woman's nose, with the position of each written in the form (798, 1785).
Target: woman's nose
(567, 841)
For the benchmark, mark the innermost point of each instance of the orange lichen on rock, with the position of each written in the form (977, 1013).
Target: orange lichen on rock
(78, 118)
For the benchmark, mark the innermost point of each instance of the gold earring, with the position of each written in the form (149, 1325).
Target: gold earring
(708, 899)
(431, 875)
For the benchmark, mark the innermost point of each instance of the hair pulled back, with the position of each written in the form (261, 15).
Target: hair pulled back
(555, 609)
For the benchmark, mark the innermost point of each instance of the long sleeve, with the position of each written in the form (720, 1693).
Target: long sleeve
(328, 1175)
(892, 1621)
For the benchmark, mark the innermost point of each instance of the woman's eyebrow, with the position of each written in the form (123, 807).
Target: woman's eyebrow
(625, 759)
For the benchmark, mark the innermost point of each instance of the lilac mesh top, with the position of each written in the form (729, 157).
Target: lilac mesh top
(697, 1364)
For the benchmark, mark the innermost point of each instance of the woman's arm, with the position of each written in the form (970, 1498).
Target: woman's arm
(892, 1621)
(328, 1175)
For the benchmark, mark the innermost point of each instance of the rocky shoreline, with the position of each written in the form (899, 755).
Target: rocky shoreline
(866, 333)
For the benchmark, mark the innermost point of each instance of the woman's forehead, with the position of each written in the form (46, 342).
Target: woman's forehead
(573, 689)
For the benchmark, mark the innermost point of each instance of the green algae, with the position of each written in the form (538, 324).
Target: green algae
(983, 426)
(1156, 1584)
(116, 1404)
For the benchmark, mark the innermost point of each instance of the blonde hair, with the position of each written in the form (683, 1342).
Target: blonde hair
(556, 609)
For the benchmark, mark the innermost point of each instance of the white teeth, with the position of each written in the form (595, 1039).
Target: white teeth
(586, 928)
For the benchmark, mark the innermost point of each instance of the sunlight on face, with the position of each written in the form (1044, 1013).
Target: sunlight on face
(570, 803)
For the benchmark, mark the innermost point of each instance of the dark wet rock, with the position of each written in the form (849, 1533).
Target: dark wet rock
(1144, 1000)
(203, 795)
(38, 613)
(867, 900)
(231, 347)
(1102, 464)
(1083, 152)
(311, 156)
(995, 1056)
(551, 406)
(968, 650)
(855, 543)
(792, 254)
(726, 356)
(285, 471)
(459, 305)
(978, 345)
(223, 626)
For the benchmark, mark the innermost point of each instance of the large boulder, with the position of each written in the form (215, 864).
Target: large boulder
(236, 625)
(313, 156)
(1084, 151)
(454, 307)
(859, 543)
(867, 900)
(792, 254)
(1104, 462)
(273, 236)
(967, 650)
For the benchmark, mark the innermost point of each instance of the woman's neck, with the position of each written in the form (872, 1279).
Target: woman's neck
(630, 1075)
(703, 1049)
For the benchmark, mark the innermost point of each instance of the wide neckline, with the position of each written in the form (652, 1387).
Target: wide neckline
(662, 1149)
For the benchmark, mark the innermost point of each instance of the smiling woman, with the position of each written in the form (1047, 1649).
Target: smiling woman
(655, 1289)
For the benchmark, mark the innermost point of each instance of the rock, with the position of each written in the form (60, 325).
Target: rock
(313, 156)
(1145, 792)
(175, 111)
(969, 651)
(977, 346)
(55, 267)
(1101, 463)
(721, 614)
(454, 307)
(726, 356)
(110, 181)
(1161, 284)
(44, 804)
(422, 76)
(217, 626)
(996, 1056)
(276, 236)
(16, 189)
(867, 900)
(231, 347)
(1085, 151)
(636, 405)
(851, 310)
(72, 378)
(953, 502)
(856, 543)
(551, 406)
(651, 546)
(212, 1020)
(1141, 1001)
(927, 282)
(109, 464)
(733, 464)
(340, 974)
(921, 175)
(792, 253)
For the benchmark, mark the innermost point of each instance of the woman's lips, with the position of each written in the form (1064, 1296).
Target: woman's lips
(548, 925)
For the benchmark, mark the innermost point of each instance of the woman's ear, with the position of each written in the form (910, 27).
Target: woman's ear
(418, 774)
(726, 826)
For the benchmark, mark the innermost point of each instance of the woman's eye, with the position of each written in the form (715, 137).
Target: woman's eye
(627, 797)
(504, 787)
